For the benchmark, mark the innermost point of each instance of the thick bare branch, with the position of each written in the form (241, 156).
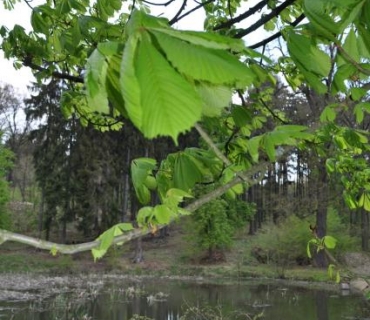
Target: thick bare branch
(55, 74)
(243, 16)
(274, 13)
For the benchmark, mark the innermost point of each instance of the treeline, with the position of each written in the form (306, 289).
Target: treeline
(76, 173)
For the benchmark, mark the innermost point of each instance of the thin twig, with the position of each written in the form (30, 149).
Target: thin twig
(191, 11)
(178, 12)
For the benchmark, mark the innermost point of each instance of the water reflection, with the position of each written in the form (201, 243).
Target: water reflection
(175, 300)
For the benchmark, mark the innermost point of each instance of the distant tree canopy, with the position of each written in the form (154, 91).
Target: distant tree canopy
(120, 65)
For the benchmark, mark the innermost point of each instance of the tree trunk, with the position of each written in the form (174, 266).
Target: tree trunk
(41, 213)
(364, 230)
(321, 212)
(138, 257)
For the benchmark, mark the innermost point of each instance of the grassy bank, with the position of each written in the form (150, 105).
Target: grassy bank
(162, 257)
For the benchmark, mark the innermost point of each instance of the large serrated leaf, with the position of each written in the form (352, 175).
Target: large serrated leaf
(39, 23)
(215, 99)
(129, 84)
(350, 46)
(95, 78)
(162, 214)
(199, 63)
(308, 55)
(269, 146)
(170, 104)
(205, 39)
(186, 172)
(253, 145)
(141, 168)
(113, 85)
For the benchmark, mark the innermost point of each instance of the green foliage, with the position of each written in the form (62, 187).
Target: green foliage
(6, 157)
(239, 212)
(212, 227)
(287, 242)
(107, 237)
(163, 213)
(215, 223)
(282, 244)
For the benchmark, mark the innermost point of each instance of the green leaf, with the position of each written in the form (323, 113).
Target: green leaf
(337, 277)
(129, 83)
(269, 146)
(365, 201)
(162, 214)
(95, 78)
(199, 63)
(330, 270)
(308, 55)
(139, 20)
(308, 248)
(53, 251)
(350, 47)
(186, 172)
(204, 39)
(141, 168)
(253, 147)
(63, 7)
(360, 109)
(328, 114)
(329, 242)
(124, 226)
(106, 239)
(322, 23)
(170, 104)
(144, 216)
(175, 196)
(39, 22)
(113, 86)
(215, 99)
(330, 165)
(358, 93)
(98, 253)
(241, 116)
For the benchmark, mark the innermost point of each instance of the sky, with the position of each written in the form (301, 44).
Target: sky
(19, 79)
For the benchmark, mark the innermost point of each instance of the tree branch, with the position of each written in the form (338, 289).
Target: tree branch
(128, 236)
(55, 74)
(349, 59)
(164, 4)
(178, 12)
(245, 15)
(173, 21)
(274, 13)
(276, 35)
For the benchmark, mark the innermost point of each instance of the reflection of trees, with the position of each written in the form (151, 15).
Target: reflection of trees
(322, 305)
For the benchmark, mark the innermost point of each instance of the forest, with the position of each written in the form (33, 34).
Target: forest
(134, 124)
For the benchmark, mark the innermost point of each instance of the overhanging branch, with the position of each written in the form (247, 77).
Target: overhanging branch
(245, 15)
(276, 35)
(274, 13)
(55, 74)
(128, 236)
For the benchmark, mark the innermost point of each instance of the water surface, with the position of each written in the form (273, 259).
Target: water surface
(170, 300)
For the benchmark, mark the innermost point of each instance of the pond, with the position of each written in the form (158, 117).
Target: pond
(120, 298)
